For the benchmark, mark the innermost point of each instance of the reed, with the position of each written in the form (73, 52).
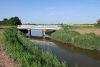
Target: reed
(65, 36)
(87, 41)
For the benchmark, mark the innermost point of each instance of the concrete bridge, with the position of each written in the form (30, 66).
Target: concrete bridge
(38, 27)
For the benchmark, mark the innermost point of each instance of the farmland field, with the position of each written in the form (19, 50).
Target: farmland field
(88, 30)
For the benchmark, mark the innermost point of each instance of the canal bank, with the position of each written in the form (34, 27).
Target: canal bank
(73, 55)
(23, 52)
(89, 41)
(5, 59)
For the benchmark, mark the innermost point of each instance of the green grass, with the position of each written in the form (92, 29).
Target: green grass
(87, 41)
(27, 55)
(65, 36)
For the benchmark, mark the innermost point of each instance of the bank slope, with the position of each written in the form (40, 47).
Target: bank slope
(27, 55)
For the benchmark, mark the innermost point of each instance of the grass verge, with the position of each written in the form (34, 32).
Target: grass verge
(87, 41)
(25, 54)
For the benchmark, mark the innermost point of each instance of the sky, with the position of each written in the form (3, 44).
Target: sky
(51, 11)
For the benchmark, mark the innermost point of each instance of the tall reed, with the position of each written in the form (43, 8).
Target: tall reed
(87, 41)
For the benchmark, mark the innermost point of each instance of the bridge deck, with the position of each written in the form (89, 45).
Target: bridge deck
(39, 27)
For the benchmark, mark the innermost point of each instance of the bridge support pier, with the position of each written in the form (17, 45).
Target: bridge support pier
(29, 33)
(43, 34)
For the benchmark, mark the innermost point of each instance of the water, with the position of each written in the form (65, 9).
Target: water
(71, 54)
(38, 33)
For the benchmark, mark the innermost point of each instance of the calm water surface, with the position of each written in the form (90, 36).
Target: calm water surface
(72, 55)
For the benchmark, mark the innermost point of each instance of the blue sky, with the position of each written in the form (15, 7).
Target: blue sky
(51, 11)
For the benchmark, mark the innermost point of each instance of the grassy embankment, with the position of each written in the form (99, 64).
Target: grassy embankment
(87, 41)
(27, 55)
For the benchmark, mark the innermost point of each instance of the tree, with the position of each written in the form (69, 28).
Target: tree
(5, 21)
(98, 23)
(15, 21)
(11, 21)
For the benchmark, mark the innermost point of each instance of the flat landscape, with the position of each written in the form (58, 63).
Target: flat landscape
(49, 33)
(88, 30)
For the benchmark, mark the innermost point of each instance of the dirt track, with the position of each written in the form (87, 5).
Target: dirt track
(88, 30)
(5, 60)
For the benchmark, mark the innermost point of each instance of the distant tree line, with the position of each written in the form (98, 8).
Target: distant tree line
(11, 21)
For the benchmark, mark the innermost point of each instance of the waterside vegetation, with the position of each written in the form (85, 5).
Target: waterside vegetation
(87, 41)
(25, 53)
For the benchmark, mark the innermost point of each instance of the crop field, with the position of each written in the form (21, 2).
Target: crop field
(25, 54)
(88, 30)
(83, 26)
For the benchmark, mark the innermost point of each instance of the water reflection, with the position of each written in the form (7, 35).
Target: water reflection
(71, 54)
